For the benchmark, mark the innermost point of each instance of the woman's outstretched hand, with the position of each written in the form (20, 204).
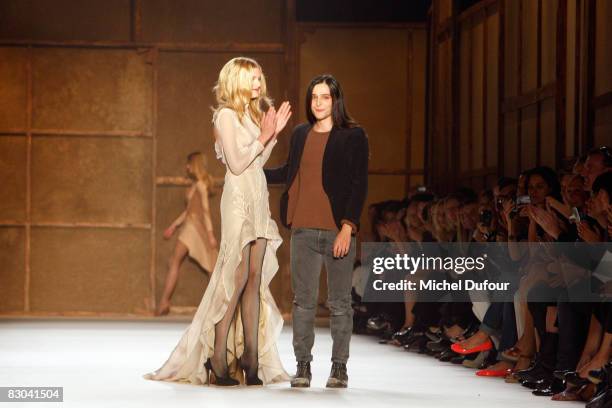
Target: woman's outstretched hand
(268, 126)
(282, 117)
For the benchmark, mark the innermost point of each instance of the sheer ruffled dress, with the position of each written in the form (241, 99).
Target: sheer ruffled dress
(245, 216)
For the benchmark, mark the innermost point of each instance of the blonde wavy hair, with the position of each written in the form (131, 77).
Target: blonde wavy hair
(234, 86)
(197, 161)
(442, 231)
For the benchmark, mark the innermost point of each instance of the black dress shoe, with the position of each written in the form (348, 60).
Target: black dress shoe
(438, 346)
(403, 335)
(434, 335)
(458, 359)
(548, 390)
(379, 323)
(534, 384)
(536, 373)
(447, 355)
(400, 333)
(416, 343)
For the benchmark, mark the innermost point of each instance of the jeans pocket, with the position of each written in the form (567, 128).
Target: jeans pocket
(298, 230)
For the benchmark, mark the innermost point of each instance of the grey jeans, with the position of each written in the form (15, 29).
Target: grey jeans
(310, 249)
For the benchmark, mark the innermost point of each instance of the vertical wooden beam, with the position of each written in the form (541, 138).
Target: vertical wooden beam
(290, 56)
(501, 85)
(452, 173)
(485, 68)
(539, 84)
(28, 223)
(409, 118)
(588, 114)
(520, 88)
(433, 173)
(577, 76)
(470, 115)
(153, 242)
(135, 20)
(428, 98)
(561, 78)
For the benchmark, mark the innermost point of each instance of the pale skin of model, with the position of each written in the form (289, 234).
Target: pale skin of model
(321, 107)
(180, 250)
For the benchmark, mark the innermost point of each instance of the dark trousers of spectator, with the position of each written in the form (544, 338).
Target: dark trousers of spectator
(500, 320)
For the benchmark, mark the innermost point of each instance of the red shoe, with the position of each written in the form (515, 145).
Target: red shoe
(494, 373)
(487, 345)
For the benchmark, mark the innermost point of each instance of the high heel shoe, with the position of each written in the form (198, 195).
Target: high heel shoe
(253, 380)
(214, 379)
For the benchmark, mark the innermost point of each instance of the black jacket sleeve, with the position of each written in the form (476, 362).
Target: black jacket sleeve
(359, 151)
(278, 175)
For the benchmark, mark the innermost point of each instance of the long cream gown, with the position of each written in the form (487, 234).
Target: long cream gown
(245, 216)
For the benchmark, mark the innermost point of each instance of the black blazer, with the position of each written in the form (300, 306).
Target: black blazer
(345, 172)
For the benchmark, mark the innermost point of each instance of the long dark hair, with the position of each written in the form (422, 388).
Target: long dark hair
(340, 116)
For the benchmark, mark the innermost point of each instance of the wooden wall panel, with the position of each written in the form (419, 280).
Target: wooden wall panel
(89, 270)
(91, 90)
(12, 178)
(13, 98)
(250, 21)
(529, 142)
(548, 47)
(548, 133)
(492, 92)
(12, 269)
(603, 127)
(511, 144)
(441, 161)
(572, 78)
(465, 97)
(65, 20)
(382, 188)
(477, 96)
(91, 180)
(418, 86)
(529, 43)
(603, 53)
(512, 46)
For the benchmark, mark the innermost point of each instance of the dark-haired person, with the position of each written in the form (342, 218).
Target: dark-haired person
(326, 180)
(598, 161)
(540, 284)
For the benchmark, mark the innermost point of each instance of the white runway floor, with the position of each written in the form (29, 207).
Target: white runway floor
(100, 363)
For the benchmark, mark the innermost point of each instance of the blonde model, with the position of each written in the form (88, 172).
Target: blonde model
(232, 338)
(196, 236)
